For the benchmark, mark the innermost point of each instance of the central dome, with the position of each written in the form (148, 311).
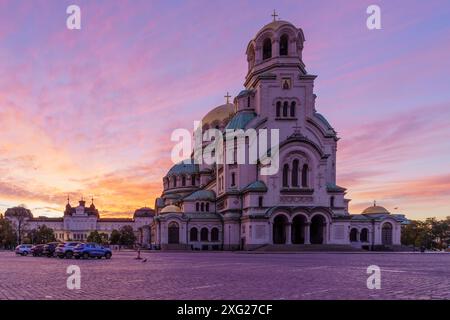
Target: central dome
(375, 210)
(219, 116)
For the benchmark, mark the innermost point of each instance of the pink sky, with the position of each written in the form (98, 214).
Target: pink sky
(90, 112)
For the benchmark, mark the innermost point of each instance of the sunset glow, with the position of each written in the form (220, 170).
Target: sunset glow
(90, 112)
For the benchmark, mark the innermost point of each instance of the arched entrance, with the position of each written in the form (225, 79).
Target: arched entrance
(279, 229)
(354, 235)
(386, 234)
(364, 236)
(174, 233)
(298, 229)
(318, 225)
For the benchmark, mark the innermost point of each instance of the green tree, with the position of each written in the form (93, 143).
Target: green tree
(94, 236)
(19, 216)
(7, 234)
(127, 236)
(42, 234)
(115, 237)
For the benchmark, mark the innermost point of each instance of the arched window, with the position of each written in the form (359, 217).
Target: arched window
(267, 49)
(174, 181)
(278, 109)
(285, 175)
(197, 206)
(285, 109)
(284, 45)
(204, 234)
(233, 179)
(353, 235)
(202, 207)
(248, 102)
(295, 173)
(332, 202)
(305, 176)
(193, 180)
(207, 207)
(193, 234)
(386, 234)
(183, 181)
(293, 109)
(215, 234)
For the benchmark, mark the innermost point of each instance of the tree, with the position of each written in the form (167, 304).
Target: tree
(19, 215)
(127, 236)
(7, 234)
(115, 237)
(42, 234)
(431, 233)
(96, 237)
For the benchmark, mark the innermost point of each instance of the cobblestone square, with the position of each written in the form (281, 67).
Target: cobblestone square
(226, 275)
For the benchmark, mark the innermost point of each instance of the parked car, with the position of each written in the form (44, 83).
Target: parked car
(65, 250)
(91, 250)
(49, 249)
(37, 250)
(23, 249)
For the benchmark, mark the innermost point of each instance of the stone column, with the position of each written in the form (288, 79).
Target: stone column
(275, 48)
(307, 226)
(288, 233)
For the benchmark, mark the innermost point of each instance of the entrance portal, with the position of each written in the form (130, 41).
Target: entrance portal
(318, 225)
(174, 233)
(279, 229)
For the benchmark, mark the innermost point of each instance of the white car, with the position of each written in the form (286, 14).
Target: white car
(23, 249)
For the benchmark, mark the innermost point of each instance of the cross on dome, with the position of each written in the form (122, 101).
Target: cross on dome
(274, 15)
(228, 97)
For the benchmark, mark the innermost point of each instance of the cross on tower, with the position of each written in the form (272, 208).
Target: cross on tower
(228, 97)
(274, 15)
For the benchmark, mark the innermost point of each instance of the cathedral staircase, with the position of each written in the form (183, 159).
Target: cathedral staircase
(307, 248)
(175, 247)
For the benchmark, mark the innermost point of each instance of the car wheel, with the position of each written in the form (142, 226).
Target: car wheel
(25, 253)
(108, 255)
(61, 256)
(85, 255)
(99, 257)
(69, 254)
(77, 257)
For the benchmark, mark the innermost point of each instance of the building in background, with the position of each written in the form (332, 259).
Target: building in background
(78, 222)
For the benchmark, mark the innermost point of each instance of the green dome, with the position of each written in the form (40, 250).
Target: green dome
(257, 186)
(201, 195)
(183, 168)
(240, 120)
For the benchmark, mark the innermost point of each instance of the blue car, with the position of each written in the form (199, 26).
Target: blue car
(91, 250)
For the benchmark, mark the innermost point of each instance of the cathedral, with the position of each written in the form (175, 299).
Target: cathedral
(233, 206)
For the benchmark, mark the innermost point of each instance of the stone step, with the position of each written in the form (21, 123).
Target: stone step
(172, 246)
(306, 247)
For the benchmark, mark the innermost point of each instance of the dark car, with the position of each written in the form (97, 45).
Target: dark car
(91, 250)
(65, 250)
(49, 249)
(37, 250)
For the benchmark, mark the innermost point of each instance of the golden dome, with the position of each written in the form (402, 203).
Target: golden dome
(375, 210)
(219, 116)
(171, 209)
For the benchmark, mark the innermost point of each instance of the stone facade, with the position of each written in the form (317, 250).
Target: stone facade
(234, 206)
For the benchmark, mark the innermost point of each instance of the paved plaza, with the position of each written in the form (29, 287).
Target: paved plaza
(227, 275)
